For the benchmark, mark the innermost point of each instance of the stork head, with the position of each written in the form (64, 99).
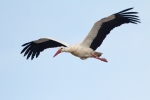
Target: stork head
(60, 49)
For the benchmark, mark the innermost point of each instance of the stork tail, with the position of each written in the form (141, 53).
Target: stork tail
(98, 54)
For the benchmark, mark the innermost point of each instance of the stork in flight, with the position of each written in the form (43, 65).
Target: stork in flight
(93, 40)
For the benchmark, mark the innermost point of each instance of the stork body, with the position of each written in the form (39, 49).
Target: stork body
(93, 40)
(81, 51)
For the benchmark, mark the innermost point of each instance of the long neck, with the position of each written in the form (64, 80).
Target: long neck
(67, 49)
(70, 48)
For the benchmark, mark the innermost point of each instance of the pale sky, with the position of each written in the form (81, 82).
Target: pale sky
(126, 76)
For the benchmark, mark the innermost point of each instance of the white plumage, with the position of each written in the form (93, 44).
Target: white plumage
(86, 49)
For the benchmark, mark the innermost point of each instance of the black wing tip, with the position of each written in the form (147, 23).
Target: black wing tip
(29, 57)
(26, 44)
(126, 10)
(134, 21)
(30, 53)
(129, 16)
(129, 8)
(27, 50)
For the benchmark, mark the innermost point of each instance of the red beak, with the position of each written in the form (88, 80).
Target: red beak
(59, 51)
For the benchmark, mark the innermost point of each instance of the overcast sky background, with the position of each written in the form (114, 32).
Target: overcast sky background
(126, 76)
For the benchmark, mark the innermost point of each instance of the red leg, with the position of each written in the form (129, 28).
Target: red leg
(102, 59)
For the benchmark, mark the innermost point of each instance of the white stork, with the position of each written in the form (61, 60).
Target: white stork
(93, 40)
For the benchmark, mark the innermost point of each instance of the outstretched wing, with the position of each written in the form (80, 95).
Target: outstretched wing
(103, 27)
(34, 48)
